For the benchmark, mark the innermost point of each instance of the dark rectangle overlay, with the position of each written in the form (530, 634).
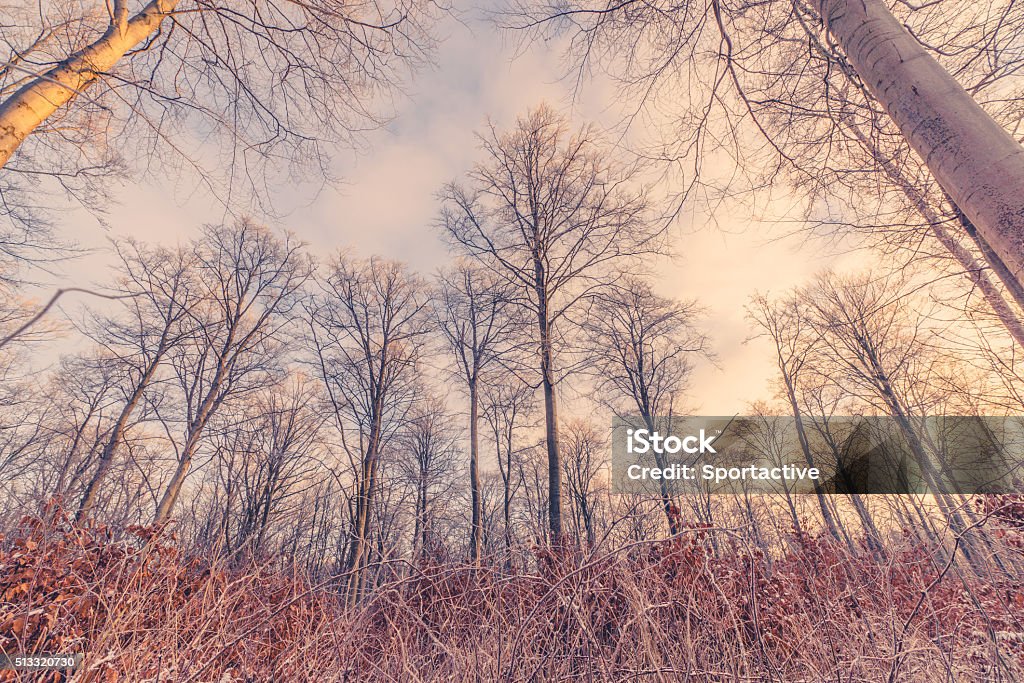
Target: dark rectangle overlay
(834, 455)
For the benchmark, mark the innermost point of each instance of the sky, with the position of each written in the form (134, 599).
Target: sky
(388, 202)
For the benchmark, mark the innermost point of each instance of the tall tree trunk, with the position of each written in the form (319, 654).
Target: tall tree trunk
(588, 519)
(1007, 315)
(173, 490)
(40, 97)
(107, 455)
(506, 480)
(424, 527)
(507, 513)
(805, 447)
(554, 469)
(364, 502)
(667, 504)
(978, 163)
(418, 533)
(550, 412)
(476, 533)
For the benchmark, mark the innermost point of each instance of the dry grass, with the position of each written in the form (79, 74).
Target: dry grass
(664, 611)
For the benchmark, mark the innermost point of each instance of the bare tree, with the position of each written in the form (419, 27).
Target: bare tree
(534, 480)
(822, 399)
(765, 439)
(273, 79)
(25, 418)
(159, 292)
(798, 72)
(248, 280)
(472, 310)
(551, 213)
(942, 219)
(583, 463)
(507, 408)
(428, 447)
(365, 333)
(85, 390)
(794, 339)
(641, 348)
(267, 457)
(879, 344)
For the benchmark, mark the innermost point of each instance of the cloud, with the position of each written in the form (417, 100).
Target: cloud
(388, 203)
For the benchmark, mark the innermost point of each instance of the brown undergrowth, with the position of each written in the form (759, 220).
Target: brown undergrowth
(674, 610)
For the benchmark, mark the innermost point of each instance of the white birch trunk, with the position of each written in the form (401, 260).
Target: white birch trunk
(978, 163)
(37, 100)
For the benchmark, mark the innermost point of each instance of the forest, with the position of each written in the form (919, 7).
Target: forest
(248, 434)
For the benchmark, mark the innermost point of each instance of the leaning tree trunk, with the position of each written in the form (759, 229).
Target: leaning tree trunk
(188, 450)
(978, 163)
(41, 96)
(805, 447)
(974, 270)
(173, 490)
(116, 434)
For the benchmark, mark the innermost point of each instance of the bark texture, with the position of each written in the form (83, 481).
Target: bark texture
(37, 100)
(977, 162)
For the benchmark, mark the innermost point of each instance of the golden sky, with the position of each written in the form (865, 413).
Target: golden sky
(388, 202)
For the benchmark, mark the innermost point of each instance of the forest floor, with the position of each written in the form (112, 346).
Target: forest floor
(140, 610)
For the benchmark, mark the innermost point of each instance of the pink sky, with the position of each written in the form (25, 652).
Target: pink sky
(388, 203)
